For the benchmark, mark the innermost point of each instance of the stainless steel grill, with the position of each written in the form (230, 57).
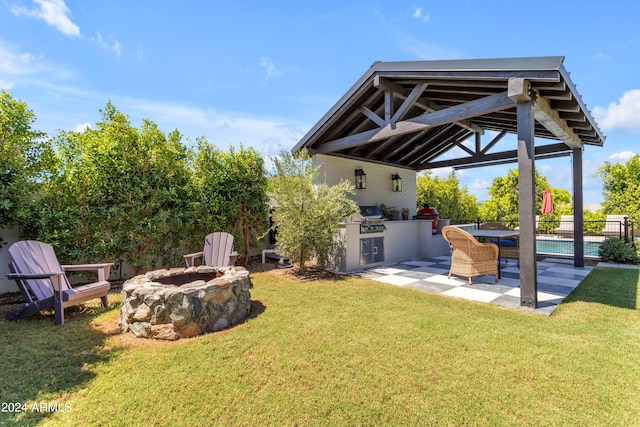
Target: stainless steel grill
(372, 220)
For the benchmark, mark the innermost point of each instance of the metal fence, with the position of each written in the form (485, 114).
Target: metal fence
(554, 237)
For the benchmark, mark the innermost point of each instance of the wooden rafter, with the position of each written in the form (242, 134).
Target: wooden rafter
(457, 112)
(495, 157)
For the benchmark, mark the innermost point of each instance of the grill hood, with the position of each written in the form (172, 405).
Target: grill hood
(371, 213)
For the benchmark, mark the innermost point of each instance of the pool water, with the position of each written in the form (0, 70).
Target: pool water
(565, 247)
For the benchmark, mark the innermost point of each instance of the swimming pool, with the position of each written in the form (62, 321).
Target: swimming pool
(565, 247)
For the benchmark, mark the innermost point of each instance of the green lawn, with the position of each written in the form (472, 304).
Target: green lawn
(341, 352)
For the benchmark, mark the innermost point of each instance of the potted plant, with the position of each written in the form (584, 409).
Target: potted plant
(395, 213)
(405, 213)
(385, 210)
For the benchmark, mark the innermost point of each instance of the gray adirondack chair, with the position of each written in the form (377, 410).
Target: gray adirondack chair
(217, 252)
(43, 283)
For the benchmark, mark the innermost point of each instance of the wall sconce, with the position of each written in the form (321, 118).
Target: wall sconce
(361, 179)
(397, 182)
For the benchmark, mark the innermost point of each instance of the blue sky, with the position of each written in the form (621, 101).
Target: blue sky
(263, 73)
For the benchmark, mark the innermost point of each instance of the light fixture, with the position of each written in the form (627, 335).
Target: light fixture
(397, 182)
(361, 179)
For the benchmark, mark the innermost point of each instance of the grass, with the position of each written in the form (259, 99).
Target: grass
(341, 352)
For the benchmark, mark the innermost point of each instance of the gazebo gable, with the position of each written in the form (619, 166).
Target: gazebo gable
(408, 114)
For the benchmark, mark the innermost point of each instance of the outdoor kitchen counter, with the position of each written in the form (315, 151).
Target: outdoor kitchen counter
(403, 241)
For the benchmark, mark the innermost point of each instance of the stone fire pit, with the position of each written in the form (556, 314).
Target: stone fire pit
(184, 302)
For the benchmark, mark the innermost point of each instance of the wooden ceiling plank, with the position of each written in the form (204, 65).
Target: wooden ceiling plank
(420, 146)
(435, 150)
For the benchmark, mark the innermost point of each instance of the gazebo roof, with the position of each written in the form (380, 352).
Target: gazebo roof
(408, 114)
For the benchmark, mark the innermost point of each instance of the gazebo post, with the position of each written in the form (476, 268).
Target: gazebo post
(578, 210)
(521, 93)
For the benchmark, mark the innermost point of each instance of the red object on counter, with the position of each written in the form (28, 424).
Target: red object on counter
(429, 212)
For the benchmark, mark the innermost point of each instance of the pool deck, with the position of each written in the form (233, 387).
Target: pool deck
(557, 278)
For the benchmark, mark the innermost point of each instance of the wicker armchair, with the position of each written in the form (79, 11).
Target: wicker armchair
(509, 247)
(468, 256)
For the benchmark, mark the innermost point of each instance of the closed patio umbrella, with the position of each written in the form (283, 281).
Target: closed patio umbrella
(547, 203)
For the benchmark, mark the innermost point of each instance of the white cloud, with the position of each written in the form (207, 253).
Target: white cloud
(15, 63)
(622, 156)
(23, 68)
(222, 128)
(418, 14)
(6, 85)
(270, 68)
(53, 12)
(81, 127)
(622, 115)
(480, 184)
(544, 169)
(441, 172)
(117, 48)
(65, 105)
(421, 50)
(601, 56)
(109, 44)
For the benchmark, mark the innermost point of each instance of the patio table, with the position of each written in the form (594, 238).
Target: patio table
(495, 234)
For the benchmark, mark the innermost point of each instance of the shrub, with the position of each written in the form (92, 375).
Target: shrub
(615, 249)
(307, 216)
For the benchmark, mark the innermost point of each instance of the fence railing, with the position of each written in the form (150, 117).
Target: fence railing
(555, 236)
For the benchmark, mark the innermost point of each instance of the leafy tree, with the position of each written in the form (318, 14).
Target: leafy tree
(446, 196)
(117, 191)
(503, 205)
(231, 194)
(307, 216)
(621, 187)
(21, 150)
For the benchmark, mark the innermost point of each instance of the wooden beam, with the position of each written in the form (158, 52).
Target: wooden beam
(550, 119)
(409, 102)
(386, 85)
(477, 107)
(493, 142)
(373, 116)
(527, 202)
(578, 210)
(467, 110)
(388, 105)
(494, 157)
(463, 148)
(509, 161)
(519, 89)
(427, 105)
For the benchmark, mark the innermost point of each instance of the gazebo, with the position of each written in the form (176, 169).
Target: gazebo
(408, 114)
